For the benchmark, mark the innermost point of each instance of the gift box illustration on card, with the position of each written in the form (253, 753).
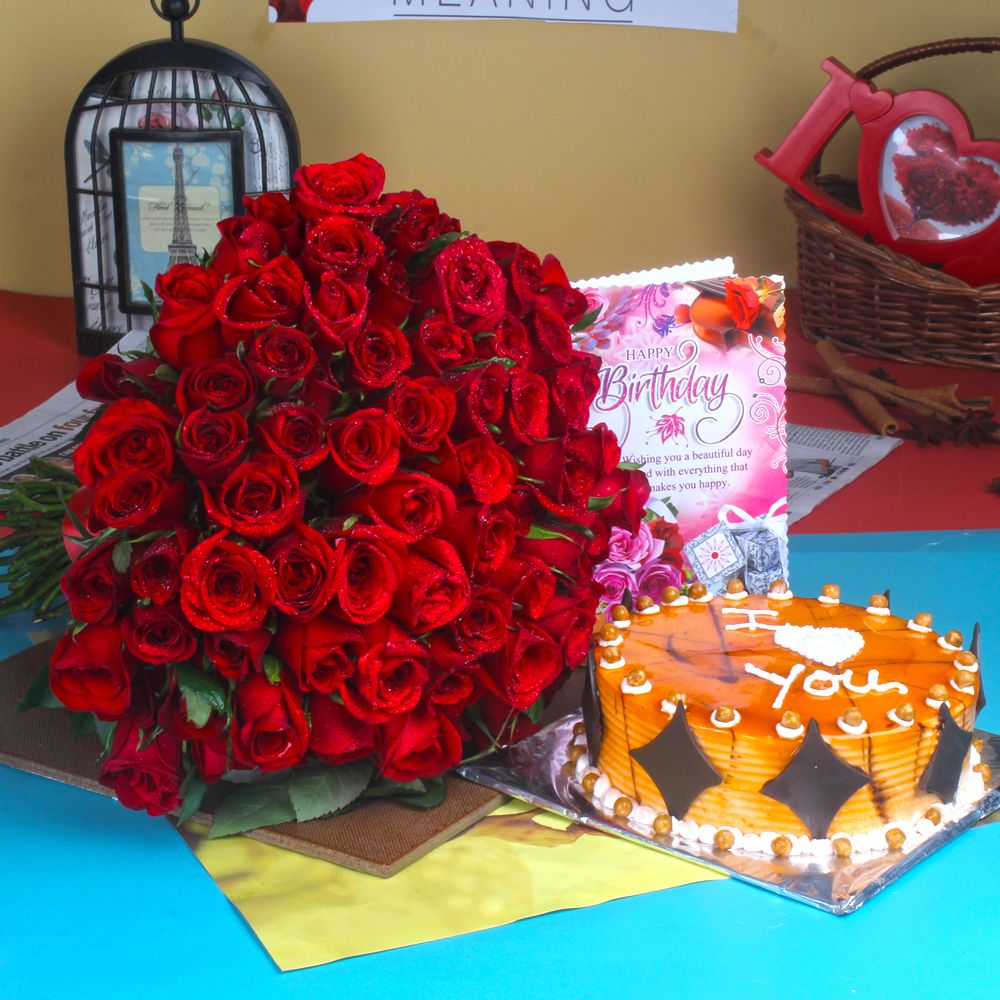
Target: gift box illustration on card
(693, 383)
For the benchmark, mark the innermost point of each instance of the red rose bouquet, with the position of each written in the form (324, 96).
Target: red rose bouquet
(338, 526)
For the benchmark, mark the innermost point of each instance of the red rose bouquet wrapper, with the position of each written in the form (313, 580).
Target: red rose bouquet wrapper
(338, 526)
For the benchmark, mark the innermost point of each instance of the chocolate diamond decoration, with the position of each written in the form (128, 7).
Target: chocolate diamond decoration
(592, 711)
(816, 783)
(677, 764)
(974, 649)
(945, 768)
(627, 599)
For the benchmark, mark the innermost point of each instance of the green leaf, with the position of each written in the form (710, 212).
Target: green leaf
(602, 503)
(538, 532)
(238, 120)
(151, 299)
(250, 807)
(82, 724)
(202, 694)
(39, 695)
(165, 373)
(351, 521)
(434, 796)
(535, 712)
(272, 667)
(105, 732)
(192, 792)
(121, 556)
(433, 248)
(630, 466)
(146, 739)
(386, 789)
(586, 321)
(322, 790)
(493, 429)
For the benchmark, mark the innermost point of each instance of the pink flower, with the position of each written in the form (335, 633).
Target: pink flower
(634, 550)
(655, 577)
(615, 578)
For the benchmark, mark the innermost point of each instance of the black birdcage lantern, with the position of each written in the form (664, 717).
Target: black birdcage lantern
(162, 143)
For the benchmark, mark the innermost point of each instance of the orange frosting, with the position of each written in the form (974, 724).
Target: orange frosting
(690, 649)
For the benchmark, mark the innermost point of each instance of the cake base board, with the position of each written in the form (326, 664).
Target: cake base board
(532, 770)
(379, 837)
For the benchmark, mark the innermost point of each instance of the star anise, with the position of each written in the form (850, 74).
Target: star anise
(925, 433)
(976, 427)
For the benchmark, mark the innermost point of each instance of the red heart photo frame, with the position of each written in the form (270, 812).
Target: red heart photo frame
(927, 187)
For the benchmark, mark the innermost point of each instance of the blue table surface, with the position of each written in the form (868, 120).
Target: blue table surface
(98, 901)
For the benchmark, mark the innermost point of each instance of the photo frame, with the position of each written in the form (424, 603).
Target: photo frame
(170, 189)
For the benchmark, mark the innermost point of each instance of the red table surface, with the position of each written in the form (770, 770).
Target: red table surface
(915, 488)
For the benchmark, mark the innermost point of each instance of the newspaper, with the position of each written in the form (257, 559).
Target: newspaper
(822, 461)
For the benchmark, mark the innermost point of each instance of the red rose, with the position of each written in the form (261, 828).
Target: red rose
(442, 344)
(155, 572)
(489, 469)
(367, 575)
(419, 220)
(630, 490)
(742, 302)
(173, 717)
(226, 586)
(304, 566)
(187, 329)
(110, 377)
(566, 555)
(148, 778)
(352, 186)
(260, 498)
(335, 735)
(340, 243)
(219, 384)
(537, 284)
(266, 296)
(506, 724)
(510, 340)
(553, 337)
(320, 652)
(482, 627)
(159, 634)
(279, 357)
(276, 209)
(453, 688)
(468, 284)
(529, 581)
(96, 592)
(392, 671)
(485, 535)
(569, 622)
(364, 446)
(335, 310)
(482, 393)
(528, 416)
(433, 589)
(246, 243)
(130, 434)
(211, 758)
(528, 664)
(269, 730)
(421, 744)
(389, 293)
(424, 408)
(379, 354)
(236, 654)
(139, 501)
(575, 388)
(295, 433)
(212, 444)
(413, 505)
(88, 673)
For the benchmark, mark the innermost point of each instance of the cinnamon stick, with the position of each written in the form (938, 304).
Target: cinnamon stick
(815, 385)
(862, 398)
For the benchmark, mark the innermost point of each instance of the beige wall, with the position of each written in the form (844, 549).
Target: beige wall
(615, 148)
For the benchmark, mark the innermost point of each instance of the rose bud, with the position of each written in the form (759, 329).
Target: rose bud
(220, 384)
(88, 673)
(433, 588)
(421, 744)
(187, 328)
(441, 344)
(489, 469)
(276, 209)
(280, 357)
(321, 652)
(529, 662)
(211, 445)
(266, 296)
(336, 736)
(342, 244)
(424, 409)
(236, 654)
(296, 433)
(159, 634)
(482, 626)
(211, 758)
(378, 354)
(467, 284)
(247, 243)
(259, 499)
(351, 186)
(335, 310)
(95, 590)
(304, 567)
(155, 571)
(139, 501)
(269, 730)
(367, 575)
(129, 435)
(389, 293)
(412, 505)
(364, 447)
(144, 775)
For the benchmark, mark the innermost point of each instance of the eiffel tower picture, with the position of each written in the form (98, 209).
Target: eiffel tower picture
(181, 249)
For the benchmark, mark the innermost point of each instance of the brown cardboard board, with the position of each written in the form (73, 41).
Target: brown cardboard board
(379, 837)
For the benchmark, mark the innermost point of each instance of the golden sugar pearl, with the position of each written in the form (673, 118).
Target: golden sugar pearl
(978, 745)
(636, 678)
(781, 847)
(724, 840)
(985, 771)
(736, 586)
(620, 613)
(623, 806)
(610, 654)
(953, 637)
(938, 692)
(831, 590)
(697, 591)
(895, 838)
(965, 658)
(589, 780)
(676, 697)
(725, 714)
(841, 847)
(568, 770)
(662, 825)
(791, 720)
(576, 752)
(778, 586)
(609, 633)
(964, 679)
(644, 603)
(852, 717)
(670, 594)
(923, 618)
(579, 729)
(878, 601)
(934, 815)
(905, 712)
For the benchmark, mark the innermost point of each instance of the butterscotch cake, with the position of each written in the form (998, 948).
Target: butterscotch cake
(778, 723)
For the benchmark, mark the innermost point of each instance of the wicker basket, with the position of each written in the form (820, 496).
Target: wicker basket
(871, 300)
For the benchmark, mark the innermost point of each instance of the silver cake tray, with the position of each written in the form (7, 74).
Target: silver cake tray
(532, 771)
